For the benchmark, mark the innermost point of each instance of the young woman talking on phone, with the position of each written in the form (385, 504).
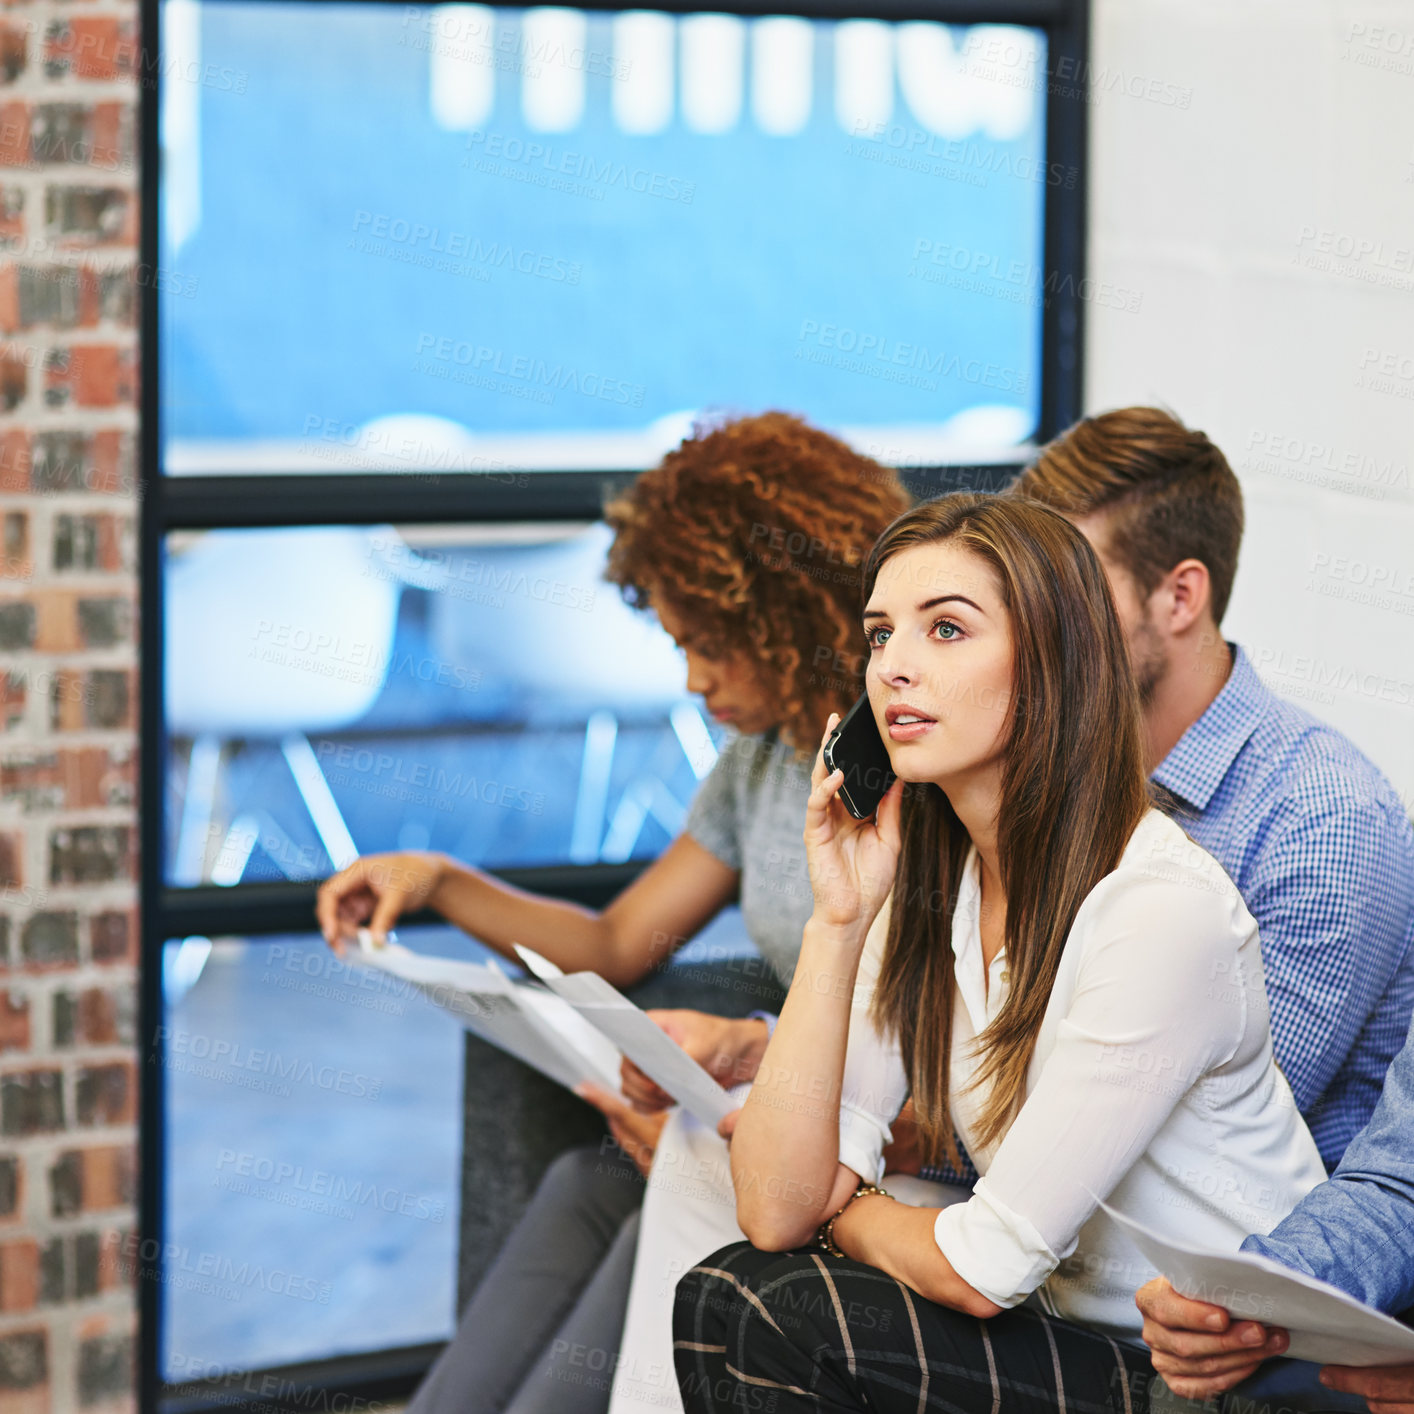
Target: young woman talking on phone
(748, 543)
(1047, 963)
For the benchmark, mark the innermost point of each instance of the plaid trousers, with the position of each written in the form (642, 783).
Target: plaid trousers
(785, 1332)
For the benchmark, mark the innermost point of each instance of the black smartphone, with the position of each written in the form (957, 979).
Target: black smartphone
(856, 748)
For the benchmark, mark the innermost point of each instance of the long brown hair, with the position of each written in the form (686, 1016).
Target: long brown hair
(1073, 790)
(755, 531)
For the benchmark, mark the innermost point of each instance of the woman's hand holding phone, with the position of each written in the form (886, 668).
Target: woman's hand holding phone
(852, 862)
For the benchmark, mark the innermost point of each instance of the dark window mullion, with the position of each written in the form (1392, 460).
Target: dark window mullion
(243, 502)
(252, 910)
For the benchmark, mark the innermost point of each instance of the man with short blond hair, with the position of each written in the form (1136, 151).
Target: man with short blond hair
(1312, 833)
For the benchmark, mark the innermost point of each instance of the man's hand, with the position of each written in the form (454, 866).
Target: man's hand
(901, 1154)
(636, 1134)
(1199, 1349)
(1387, 1389)
(729, 1051)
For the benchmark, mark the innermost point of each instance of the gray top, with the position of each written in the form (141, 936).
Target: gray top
(750, 813)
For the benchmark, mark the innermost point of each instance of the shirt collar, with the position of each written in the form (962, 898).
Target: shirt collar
(1204, 754)
(982, 999)
(968, 906)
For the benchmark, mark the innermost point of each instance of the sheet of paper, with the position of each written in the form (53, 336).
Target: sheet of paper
(638, 1036)
(533, 1025)
(562, 1021)
(1326, 1324)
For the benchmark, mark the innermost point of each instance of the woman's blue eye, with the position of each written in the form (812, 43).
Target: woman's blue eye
(877, 637)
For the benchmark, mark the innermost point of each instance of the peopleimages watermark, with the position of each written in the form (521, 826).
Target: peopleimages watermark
(210, 1273)
(453, 252)
(876, 355)
(466, 577)
(317, 1190)
(473, 35)
(355, 445)
(1369, 583)
(50, 147)
(330, 655)
(1317, 463)
(317, 972)
(1309, 675)
(439, 783)
(125, 53)
(61, 264)
(174, 68)
(1006, 58)
(1380, 47)
(563, 169)
(1016, 281)
(1370, 259)
(1380, 371)
(256, 1068)
(261, 1392)
(966, 160)
(521, 374)
(775, 547)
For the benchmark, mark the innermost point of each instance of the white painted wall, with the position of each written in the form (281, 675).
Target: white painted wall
(1269, 226)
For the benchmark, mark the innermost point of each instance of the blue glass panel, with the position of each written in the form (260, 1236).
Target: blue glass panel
(333, 690)
(301, 1220)
(427, 237)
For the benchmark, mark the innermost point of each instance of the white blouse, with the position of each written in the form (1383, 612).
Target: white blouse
(1153, 1086)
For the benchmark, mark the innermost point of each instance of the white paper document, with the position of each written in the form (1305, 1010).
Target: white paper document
(638, 1036)
(577, 1030)
(533, 1025)
(1326, 1324)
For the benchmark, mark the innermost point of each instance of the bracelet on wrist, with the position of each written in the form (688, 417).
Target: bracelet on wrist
(825, 1234)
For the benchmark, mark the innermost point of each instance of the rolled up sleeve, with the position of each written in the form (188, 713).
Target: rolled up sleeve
(993, 1248)
(1144, 990)
(862, 1141)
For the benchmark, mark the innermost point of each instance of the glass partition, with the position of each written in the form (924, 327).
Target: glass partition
(504, 240)
(301, 1221)
(343, 690)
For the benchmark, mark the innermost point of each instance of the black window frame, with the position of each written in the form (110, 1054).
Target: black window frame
(216, 502)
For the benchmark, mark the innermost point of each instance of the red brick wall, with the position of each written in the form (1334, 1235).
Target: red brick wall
(68, 751)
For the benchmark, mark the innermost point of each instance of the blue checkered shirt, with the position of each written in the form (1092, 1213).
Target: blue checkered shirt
(1356, 1230)
(1317, 842)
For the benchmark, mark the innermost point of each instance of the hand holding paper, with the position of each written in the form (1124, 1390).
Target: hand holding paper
(729, 1049)
(573, 1033)
(638, 1036)
(532, 1025)
(636, 1134)
(1324, 1324)
(1197, 1347)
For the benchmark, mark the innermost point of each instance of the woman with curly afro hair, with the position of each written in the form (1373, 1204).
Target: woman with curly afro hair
(748, 543)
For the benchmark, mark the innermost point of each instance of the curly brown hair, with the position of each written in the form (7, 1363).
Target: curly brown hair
(755, 532)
